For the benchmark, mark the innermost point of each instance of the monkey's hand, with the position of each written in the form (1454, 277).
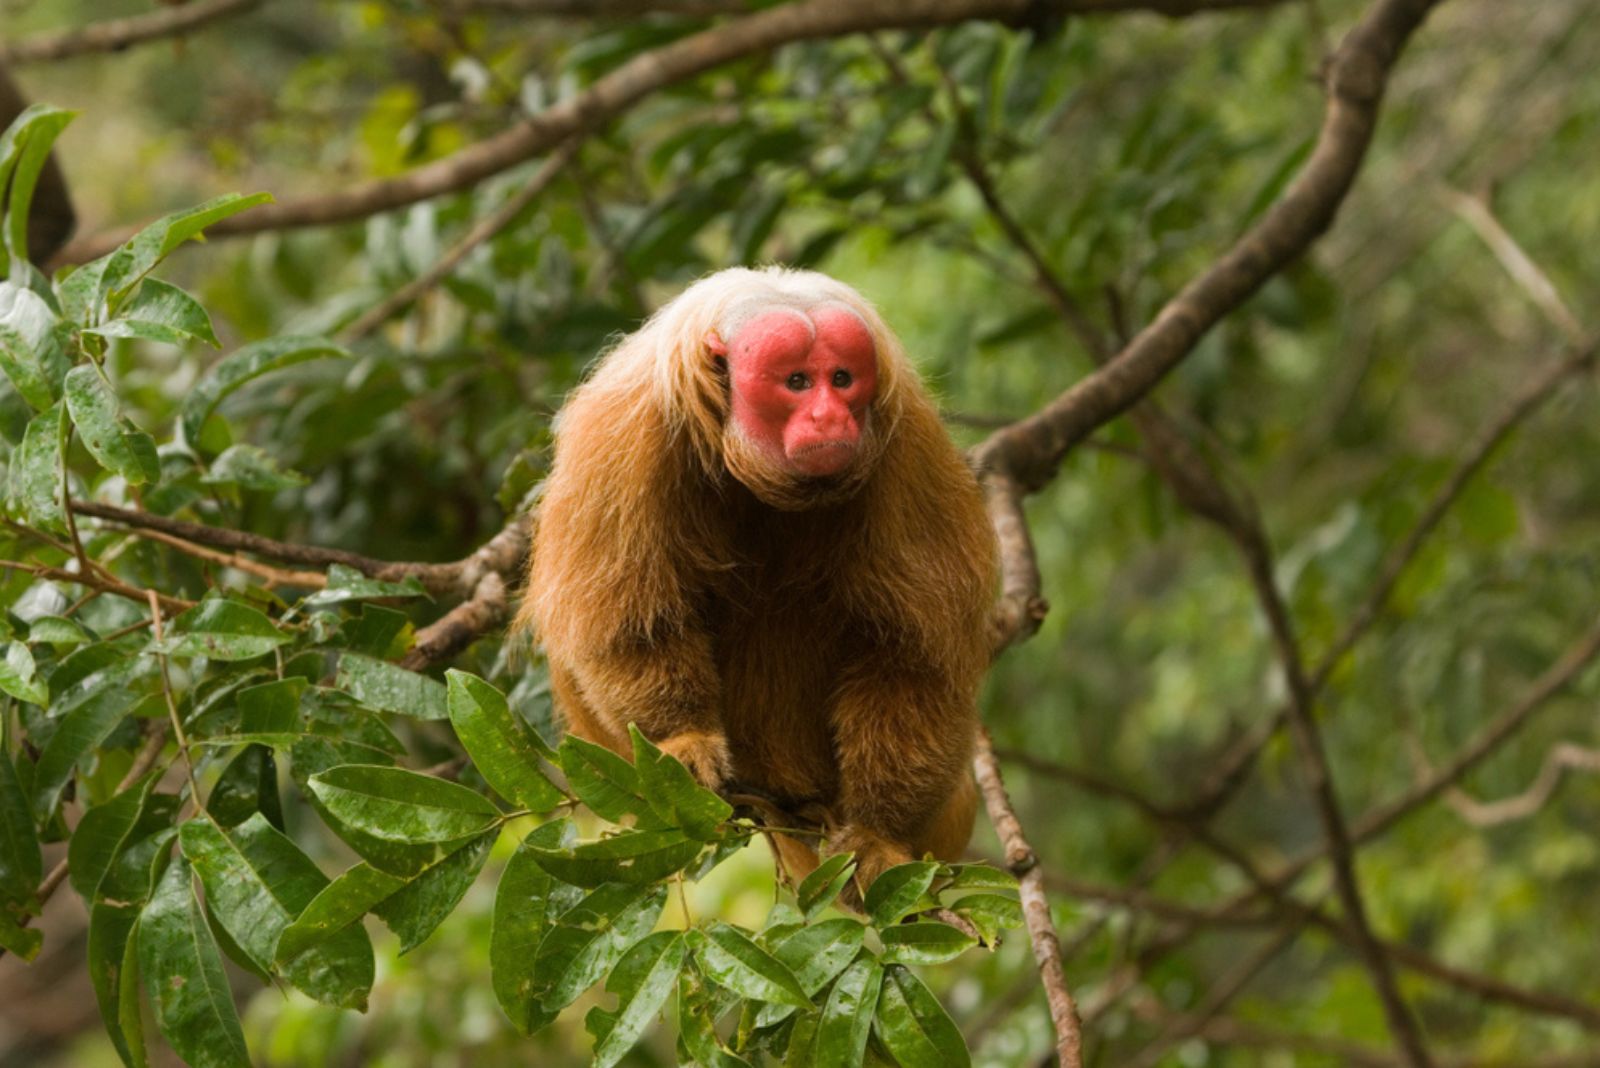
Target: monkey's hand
(704, 753)
(875, 855)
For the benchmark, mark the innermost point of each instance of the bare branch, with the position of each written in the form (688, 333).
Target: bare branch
(645, 74)
(461, 626)
(1024, 864)
(1558, 760)
(113, 35)
(596, 9)
(502, 554)
(1518, 264)
(97, 581)
(1356, 76)
(315, 580)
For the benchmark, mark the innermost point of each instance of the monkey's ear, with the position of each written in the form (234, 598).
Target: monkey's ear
(714, 342)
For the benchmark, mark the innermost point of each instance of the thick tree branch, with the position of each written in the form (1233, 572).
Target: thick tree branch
(1356, 77)
(113, 35)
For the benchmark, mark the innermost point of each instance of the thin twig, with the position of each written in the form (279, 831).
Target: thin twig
(315, 580)
(1024, 864)
(172, 705)
(1558, 760)
(483, 230)
(98, 582)
(1518, 264)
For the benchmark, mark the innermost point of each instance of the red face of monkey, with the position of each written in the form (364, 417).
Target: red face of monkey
(801, 386)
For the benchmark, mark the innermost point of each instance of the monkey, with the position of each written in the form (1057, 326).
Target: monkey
(757, 543)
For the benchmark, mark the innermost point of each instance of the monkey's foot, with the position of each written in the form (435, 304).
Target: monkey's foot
(875, 855)
(704, 753)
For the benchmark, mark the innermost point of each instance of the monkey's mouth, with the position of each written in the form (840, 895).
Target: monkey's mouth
(823, 446)
(823, 458)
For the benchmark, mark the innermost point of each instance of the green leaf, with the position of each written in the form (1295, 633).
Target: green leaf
(21, 865)
(249, 784)
(314, 754)
(23, 367)
(89, 712)
(220, 629)
(634, 857)
(391, 688)
(251, 467)
(641, 980)
(141, 855)
(23, 151)
(926, 942)
(114, 974)
(605, 782)
(914, 1027)
(183, 978)
(272, 707)
(146, 249)
(19, 678)
(697, 1027)
(160, 312)
(526, 904)
(732, 960)
(257, 881)
(416, 909)
(504, 750)
(33, 484)
(990, 913)
(396, 805)
(586, 941)
(815, 955)
(15, 938)
(846, 1021)
(346, 584)
(117, 444)
(897, 891)
(822, 887)
(674, 794)
(243, 365)
(980, 877)
(99, 837)
(59, 630)
(339, 904)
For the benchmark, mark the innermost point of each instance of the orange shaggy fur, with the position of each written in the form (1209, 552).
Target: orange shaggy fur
(823, 644)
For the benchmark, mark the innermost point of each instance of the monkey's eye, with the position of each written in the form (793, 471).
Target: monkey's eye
(841, 380)
(797, 382)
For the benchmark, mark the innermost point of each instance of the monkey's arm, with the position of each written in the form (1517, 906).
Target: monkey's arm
(615, 583)
(903, 735)
(668, 685)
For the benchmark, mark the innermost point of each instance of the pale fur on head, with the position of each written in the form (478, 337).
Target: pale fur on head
(686, 383)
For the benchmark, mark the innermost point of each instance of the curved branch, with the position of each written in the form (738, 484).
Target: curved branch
(114, 35)
(619, 90)
(1355, 79)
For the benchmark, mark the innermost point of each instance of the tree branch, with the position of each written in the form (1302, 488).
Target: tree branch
(1024, 864)
(1356, 76)
(113, 35)
(614, 93)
